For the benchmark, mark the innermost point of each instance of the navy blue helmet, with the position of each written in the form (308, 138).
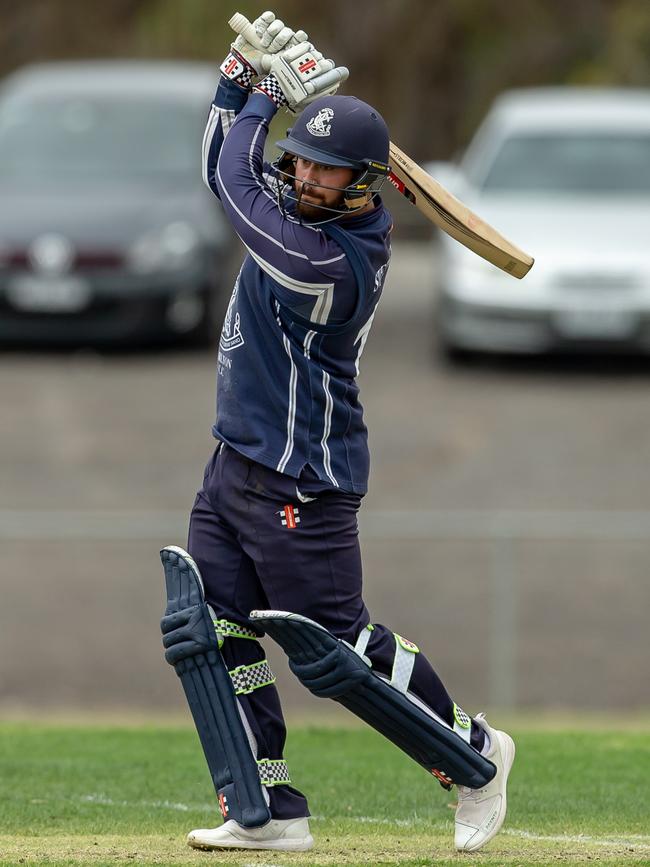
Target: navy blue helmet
(341, 131)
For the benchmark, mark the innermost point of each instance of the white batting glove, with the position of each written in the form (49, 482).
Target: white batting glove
(247, 62)
(299, 75)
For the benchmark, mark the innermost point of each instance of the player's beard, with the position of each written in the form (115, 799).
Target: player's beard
(311, 206)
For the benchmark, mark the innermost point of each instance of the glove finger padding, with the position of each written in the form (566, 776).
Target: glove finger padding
(247, 61)
(263, 21)
(281, 40)
(323, 83)
(270, 32)
(297, 38)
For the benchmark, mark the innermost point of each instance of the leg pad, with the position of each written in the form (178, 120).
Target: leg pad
(191, 646)
(331, 668)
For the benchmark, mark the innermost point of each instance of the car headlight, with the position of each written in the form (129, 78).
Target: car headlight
(169, 249)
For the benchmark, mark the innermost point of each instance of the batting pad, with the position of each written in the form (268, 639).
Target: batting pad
(191, 646)
(330, 668)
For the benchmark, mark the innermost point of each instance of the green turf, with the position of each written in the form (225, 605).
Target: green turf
(90, 795)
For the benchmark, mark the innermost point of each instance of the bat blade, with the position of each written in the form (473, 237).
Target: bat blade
(455, 218)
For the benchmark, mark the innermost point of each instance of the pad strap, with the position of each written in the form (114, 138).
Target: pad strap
(405, 652)
(363, 639)
(462, 723)
(228, 629)
(403, 661)
(273, 772)
(248, 678)
(332, 668)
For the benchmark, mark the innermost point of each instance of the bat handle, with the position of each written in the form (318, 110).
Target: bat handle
(241, 25)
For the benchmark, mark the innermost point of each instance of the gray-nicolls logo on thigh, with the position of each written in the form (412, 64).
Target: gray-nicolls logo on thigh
(320, 124)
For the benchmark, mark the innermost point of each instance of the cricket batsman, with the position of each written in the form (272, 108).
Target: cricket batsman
(273, 538)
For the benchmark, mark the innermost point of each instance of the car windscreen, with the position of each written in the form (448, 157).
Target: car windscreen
(99, 138)
(586, 163)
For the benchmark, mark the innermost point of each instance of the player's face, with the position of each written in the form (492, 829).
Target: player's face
(312, 182)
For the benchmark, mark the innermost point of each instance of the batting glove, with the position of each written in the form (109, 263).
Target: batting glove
(299, 75)
(245, 63)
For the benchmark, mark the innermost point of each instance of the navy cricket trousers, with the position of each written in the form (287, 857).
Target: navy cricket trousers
(262, 539)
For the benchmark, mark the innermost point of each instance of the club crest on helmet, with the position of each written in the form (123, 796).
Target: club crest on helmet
(320, 124)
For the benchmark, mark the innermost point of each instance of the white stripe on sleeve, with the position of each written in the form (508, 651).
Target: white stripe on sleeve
(323, 307)
(329, 261)
(227, 118)
(210, 129)
(290, 282)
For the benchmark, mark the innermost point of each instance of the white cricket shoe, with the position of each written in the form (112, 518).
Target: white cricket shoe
(480, 812)
(287, 835)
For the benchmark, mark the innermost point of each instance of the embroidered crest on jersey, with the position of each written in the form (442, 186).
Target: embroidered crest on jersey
(231, 336)
(290, 517)
(320, 124)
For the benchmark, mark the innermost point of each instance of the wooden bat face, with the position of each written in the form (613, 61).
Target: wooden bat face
(453, 217)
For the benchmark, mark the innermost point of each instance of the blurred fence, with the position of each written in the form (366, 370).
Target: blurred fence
(515, 609)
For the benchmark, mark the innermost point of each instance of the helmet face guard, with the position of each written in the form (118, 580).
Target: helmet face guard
(338, 131)
(367, 182)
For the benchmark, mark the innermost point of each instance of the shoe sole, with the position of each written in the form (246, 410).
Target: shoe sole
(508, 748)
(302, 845)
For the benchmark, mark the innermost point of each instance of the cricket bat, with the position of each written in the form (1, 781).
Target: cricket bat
(432, 199)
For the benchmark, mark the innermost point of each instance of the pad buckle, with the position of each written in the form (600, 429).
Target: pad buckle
(248, 678)
(273, 772)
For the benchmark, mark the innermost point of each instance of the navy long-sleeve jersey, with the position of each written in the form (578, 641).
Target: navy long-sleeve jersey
(300, 312)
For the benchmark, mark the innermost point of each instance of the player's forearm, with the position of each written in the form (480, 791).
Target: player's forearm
(303, 261)
(229, 100)
(239, 171)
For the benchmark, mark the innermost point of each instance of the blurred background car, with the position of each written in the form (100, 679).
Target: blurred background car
(107, 232)
(564, 173)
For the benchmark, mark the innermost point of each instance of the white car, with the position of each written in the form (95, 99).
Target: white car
(564, 173)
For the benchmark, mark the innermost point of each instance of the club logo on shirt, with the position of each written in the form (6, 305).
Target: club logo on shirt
(290, 517)
(231, 336)
(320, 124)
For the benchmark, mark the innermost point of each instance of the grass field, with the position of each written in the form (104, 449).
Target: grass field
(128, 795)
